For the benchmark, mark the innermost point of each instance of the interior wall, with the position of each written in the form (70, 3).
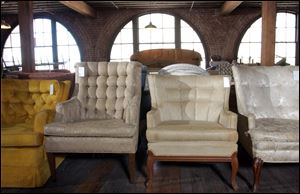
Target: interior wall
(219, 34)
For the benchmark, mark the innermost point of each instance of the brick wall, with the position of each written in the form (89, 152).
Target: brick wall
(220, 34)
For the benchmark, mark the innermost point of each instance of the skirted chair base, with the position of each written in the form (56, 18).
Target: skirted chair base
(34, 171)
(24, 167)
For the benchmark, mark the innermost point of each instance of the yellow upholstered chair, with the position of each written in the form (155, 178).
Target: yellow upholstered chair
(26, 106)
(190, 121)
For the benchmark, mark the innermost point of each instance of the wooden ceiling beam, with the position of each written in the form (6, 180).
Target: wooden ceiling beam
(81, 7)
(229, 6)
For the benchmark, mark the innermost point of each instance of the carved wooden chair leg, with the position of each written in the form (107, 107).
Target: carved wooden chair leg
(257, 166)
(234, 170)
(150, 162)
(131, 165)
(51, 160)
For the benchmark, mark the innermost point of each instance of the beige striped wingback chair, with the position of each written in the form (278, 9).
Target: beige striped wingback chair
(268, 119)
(104, 115)
(190, 121)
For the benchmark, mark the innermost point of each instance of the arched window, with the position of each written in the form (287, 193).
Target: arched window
(132, 39)
(123, 46)
(55, 47)
(285, 40)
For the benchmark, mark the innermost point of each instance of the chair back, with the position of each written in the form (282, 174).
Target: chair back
(267, 91)
(108, 89)
(189, 97)
(22, 99)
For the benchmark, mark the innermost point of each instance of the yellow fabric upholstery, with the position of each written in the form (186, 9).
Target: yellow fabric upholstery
(26, 106)
(20, 135)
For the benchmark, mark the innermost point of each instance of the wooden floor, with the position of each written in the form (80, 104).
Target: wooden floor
(103, 173)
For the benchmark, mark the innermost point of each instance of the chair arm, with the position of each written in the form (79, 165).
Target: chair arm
(68, 111)
(132, 114)
(153, 118)
(41, 119)
(228, 119)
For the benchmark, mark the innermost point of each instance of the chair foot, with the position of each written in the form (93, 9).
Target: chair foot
(150, 162)
(257, 166)
(131, 165)
(234, 170)
(52, 165)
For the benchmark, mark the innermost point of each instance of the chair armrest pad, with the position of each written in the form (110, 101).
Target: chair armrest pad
(153, 118)
(228, 119)
(68, 111)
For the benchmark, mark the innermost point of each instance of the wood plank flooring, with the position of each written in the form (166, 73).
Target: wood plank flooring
(107, 173)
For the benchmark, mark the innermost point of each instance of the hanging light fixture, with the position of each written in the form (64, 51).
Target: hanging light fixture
(150, 25)
(5, 25)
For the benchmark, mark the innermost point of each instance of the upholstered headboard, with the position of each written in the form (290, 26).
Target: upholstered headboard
(156, 59)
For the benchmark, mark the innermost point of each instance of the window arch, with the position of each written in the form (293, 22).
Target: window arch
(132, 39)
(54, 47)
(285, 41)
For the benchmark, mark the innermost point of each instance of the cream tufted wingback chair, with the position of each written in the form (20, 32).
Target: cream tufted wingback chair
(190, 121)
(268, 120)
(103, 117)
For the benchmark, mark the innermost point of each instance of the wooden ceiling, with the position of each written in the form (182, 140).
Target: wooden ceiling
(11, 7)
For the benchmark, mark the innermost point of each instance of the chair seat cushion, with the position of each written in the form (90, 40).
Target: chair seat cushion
(91, 128)
(20, 135)
(190, 131)
(275, 130)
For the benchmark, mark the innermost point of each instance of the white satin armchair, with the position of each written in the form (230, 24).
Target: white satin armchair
(268, 120)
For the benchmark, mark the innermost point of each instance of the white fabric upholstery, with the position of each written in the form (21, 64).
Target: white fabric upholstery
(104, 111)
(182, 69)
(190, 112)
(267, 91)
(268, 103)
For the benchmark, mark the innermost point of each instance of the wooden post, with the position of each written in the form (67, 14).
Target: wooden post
(26, 34)
(268, 32)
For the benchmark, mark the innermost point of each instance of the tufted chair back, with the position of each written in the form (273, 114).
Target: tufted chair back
(22, 99)
(107, 89)
(189, 97)
(267, 92)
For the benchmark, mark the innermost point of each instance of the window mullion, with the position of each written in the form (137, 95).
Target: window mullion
(54, 44)
(297, 39)
(135, 30)
(177, 33)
